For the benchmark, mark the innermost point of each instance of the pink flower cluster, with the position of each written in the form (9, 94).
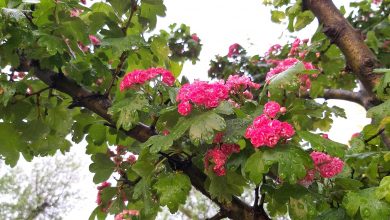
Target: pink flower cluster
(236, 83)
(282, 65)
(273, 49)
(195, 38)
(201, 93)
(142, 76)
(267, 131)
(219, 157)
(209, 95)
(100, 188)
(94, 40)
(326, 165)
(234, 49)
(377, 2)
(126, 214)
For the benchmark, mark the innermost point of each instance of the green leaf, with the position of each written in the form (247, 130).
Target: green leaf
(120, 6)
(333, 214)
(379, 112)
(303, 19)
(292, 162)
(224, 187)
(370, 207)
(7, 90)
(145, 164)
(302, 208)
(277, 16)
(255, 167)
(59, 119)
(235, 129)
(150, 11)
(225, 108)
(203, 126)
(10, 144)
(52, 44)
(182, 125)
(173, 190)
(158, 143)
(97, 132)
(319, 143)
(348, 183)
(372, 41)
(383, 88)
(287, 79)
(102, 166)
(383, 191)
(126, 111)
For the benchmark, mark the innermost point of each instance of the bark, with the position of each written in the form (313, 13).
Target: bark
(359, 57)
(356, 97)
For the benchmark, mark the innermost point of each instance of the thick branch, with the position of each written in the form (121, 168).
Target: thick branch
(359, 57)
(99, 104)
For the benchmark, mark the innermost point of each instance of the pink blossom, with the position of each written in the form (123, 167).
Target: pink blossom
(287, 130)
(228, 149)
(94, 40)
(247, 94)
(82, 47)
(131, 159)
(195, 38)
(218, 138)
(219, 157)
(201, 93)
(83, 1)
(283, 65)
(184, 108)
(234, 49)
(355, 135)
(308, 179)
(103, 185)
(273, 49)
(165, 132)
(326, 136)
(139, 77)
(237, 83)
(327, 166)
(75, 12)
(265, 131)
(271, 109)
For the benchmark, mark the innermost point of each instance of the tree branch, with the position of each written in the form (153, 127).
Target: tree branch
(358, 56)
(360, 97)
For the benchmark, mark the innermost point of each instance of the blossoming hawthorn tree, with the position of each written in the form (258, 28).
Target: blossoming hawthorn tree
(90, 72)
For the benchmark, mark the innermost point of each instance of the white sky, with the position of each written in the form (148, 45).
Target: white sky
(220, 23)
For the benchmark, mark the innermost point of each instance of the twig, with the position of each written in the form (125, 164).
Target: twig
(256, 202)
(124, 54)
(374, 136)
(37, 92)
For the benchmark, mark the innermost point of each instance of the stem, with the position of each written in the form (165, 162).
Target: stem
(124, 54)
(374, 136)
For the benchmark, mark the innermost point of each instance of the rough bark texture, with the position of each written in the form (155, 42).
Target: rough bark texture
(350, 41)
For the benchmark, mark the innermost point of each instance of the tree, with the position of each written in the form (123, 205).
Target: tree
(46, 190)
(92, 73)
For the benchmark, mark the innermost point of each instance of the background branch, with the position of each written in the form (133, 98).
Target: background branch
(358, 56)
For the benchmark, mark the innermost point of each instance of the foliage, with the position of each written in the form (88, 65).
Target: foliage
(45, 190)
(66, 64)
